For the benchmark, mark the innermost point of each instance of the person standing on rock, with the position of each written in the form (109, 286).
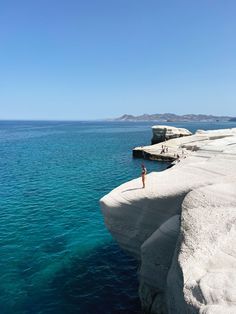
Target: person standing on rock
(143, 174)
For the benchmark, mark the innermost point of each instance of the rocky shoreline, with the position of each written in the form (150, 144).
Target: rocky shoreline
(182, 226)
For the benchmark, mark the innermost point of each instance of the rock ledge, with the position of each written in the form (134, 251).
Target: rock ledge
(182, 227)
(163, 133)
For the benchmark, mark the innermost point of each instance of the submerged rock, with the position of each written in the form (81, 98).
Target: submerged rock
(182, 227)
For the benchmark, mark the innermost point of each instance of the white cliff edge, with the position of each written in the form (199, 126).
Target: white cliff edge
(182, 228)
(163, 133)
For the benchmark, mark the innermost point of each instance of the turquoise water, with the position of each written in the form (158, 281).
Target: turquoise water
(56, 254)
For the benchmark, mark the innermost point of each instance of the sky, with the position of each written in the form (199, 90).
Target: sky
(95, 59)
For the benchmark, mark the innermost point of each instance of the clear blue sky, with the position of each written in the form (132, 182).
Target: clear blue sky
(72, 59)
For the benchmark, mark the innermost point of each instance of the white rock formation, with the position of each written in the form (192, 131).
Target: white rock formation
(205, 259)
(182, 227)
(166, 132)
(184, 145)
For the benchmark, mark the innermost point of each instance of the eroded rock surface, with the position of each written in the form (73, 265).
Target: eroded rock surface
(206, 252)
(163, 133)
(182, 227)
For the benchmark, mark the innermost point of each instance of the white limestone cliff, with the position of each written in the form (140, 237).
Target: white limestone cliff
(162, 133)
(182, 227)
(205, 258)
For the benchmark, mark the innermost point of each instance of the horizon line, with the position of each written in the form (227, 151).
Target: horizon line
(111, 119)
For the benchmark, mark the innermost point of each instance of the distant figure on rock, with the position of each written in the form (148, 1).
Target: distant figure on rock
(143, 174)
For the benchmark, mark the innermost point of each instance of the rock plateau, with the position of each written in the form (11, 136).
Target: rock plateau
(163, 133)
(182, 227)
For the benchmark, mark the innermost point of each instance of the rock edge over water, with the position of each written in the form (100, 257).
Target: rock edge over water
(163, 133)
(182, 228)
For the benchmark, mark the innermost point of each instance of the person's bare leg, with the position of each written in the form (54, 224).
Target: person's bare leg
(143, 180)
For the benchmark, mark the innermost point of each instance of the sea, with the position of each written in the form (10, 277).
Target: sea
(56, 255)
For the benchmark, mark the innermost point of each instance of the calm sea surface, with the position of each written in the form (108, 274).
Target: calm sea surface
(56, 255)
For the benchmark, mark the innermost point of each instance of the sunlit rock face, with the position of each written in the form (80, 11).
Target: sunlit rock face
(163, 133)
(204, 265)
(181, 227)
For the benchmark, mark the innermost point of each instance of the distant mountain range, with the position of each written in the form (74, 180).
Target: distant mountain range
(171, 117)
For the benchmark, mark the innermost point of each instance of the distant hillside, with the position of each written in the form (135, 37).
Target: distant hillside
(171, 117)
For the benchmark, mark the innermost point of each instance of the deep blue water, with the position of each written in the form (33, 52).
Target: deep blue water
(56, 254)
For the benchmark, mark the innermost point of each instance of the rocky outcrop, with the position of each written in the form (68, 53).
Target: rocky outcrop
(204, 264)
(163, 133)
(181, 228)
(182, 146)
